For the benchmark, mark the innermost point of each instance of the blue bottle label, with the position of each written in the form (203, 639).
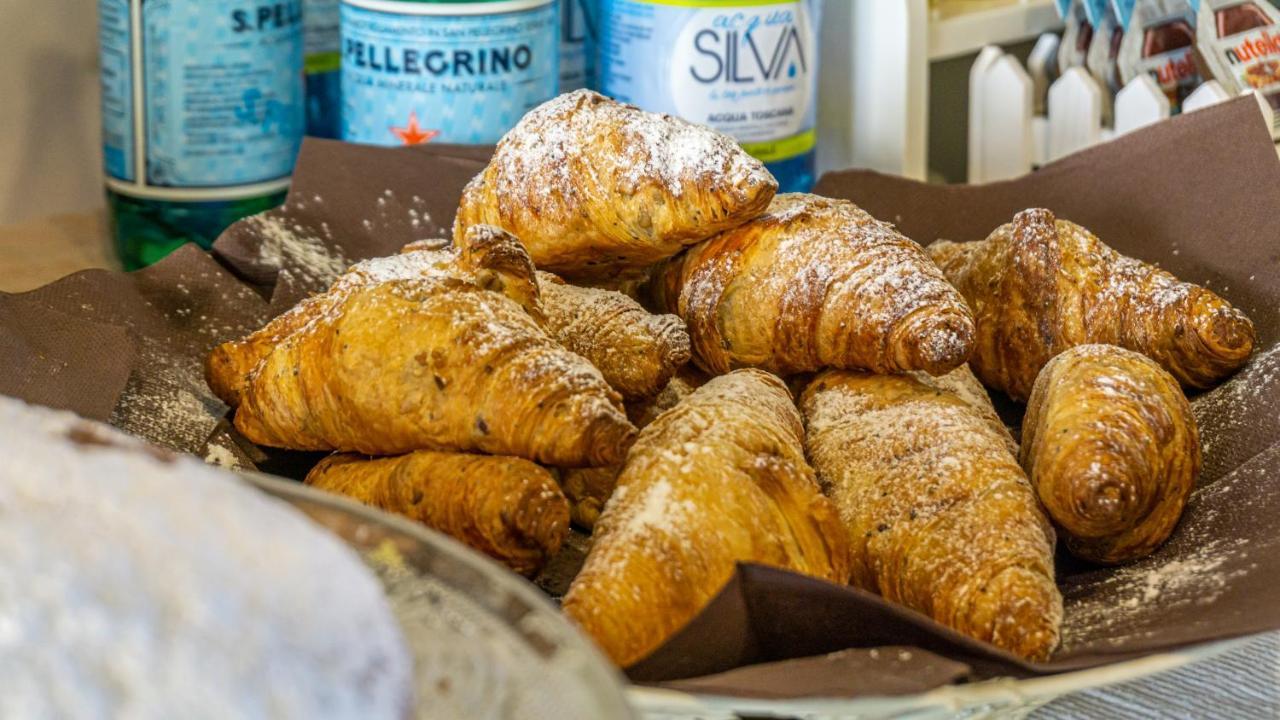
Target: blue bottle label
(323, 50)
(116, 53)
(579, 30)
(412, 75)
(205, 96)
(748, 70)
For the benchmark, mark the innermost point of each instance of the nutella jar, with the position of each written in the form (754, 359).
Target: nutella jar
(1160, 41)
(1240, 42)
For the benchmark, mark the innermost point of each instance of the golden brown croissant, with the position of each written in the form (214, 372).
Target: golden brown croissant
(508, 508)
(941, 517)
(487, 256)
(719, 479)
(1112, 450)
(594, 187)
(433, 363)
(636, 352)
(813, 283)
(1040, 285)
(228, 366)
(588, 489)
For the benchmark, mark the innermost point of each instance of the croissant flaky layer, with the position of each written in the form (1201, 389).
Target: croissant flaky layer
(1112, 449)
(637, 352)
(719, 479)
(485, 255)
(505, 507)
(434, 363)
(595, 187)
(1039, 285)
(940, 516)
(816, 283)
(588, 489)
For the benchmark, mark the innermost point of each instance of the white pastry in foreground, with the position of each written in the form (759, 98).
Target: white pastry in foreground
(138, 585)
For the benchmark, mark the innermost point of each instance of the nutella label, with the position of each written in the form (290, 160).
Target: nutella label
(1240, 42)
(1160, 42)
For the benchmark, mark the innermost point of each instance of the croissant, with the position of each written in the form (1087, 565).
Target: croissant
(719, 479)
(228, 366)
(508, 508)
(435, 364)
(813, 283)
(636, 352)
(941, 517)
(588, 489)
(594, 187)
(1040, 285)
(486, 255)
(1112, 449)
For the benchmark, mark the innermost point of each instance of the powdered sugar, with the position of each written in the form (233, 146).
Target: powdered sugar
(405, 266)
(555, 137)
(1225, 411)
(169, 405)
(286, 244)
(220, 456)
(1116, 609)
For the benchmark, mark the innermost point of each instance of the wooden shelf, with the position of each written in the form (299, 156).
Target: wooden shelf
(965, 33)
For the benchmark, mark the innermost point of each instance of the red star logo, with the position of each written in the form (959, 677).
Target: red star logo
(412, 133)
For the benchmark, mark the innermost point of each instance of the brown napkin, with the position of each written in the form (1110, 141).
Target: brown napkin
(1198, 194)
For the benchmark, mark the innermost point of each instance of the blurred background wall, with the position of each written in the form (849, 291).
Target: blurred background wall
(49, 145)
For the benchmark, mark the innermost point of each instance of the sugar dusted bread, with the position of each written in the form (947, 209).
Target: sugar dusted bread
(1039, 285)
(637, 352)
(507, 508)
(595, 188)
(718, 479)
(940, 515)
(431, 349)
(1112, 449)
(813, 283)
(135, 584)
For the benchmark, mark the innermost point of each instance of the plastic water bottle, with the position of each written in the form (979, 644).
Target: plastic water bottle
(579, 34)
(202, 116)
(744, 67)
(323, 42)
(453, 71)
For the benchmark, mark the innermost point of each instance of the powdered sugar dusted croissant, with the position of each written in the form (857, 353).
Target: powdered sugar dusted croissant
(1112, 449)
(485, 255)
(432, 363)
(594, 187)
(1039, 285)
(588, 489)
(721, 478)
(941, 517)
(815, 283)
(508, 508)
(637, 352)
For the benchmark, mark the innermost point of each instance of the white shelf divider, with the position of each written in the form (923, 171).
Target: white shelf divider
(874, 84)
(966, 33)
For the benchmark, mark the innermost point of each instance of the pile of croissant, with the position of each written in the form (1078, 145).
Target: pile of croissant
(497, 403)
